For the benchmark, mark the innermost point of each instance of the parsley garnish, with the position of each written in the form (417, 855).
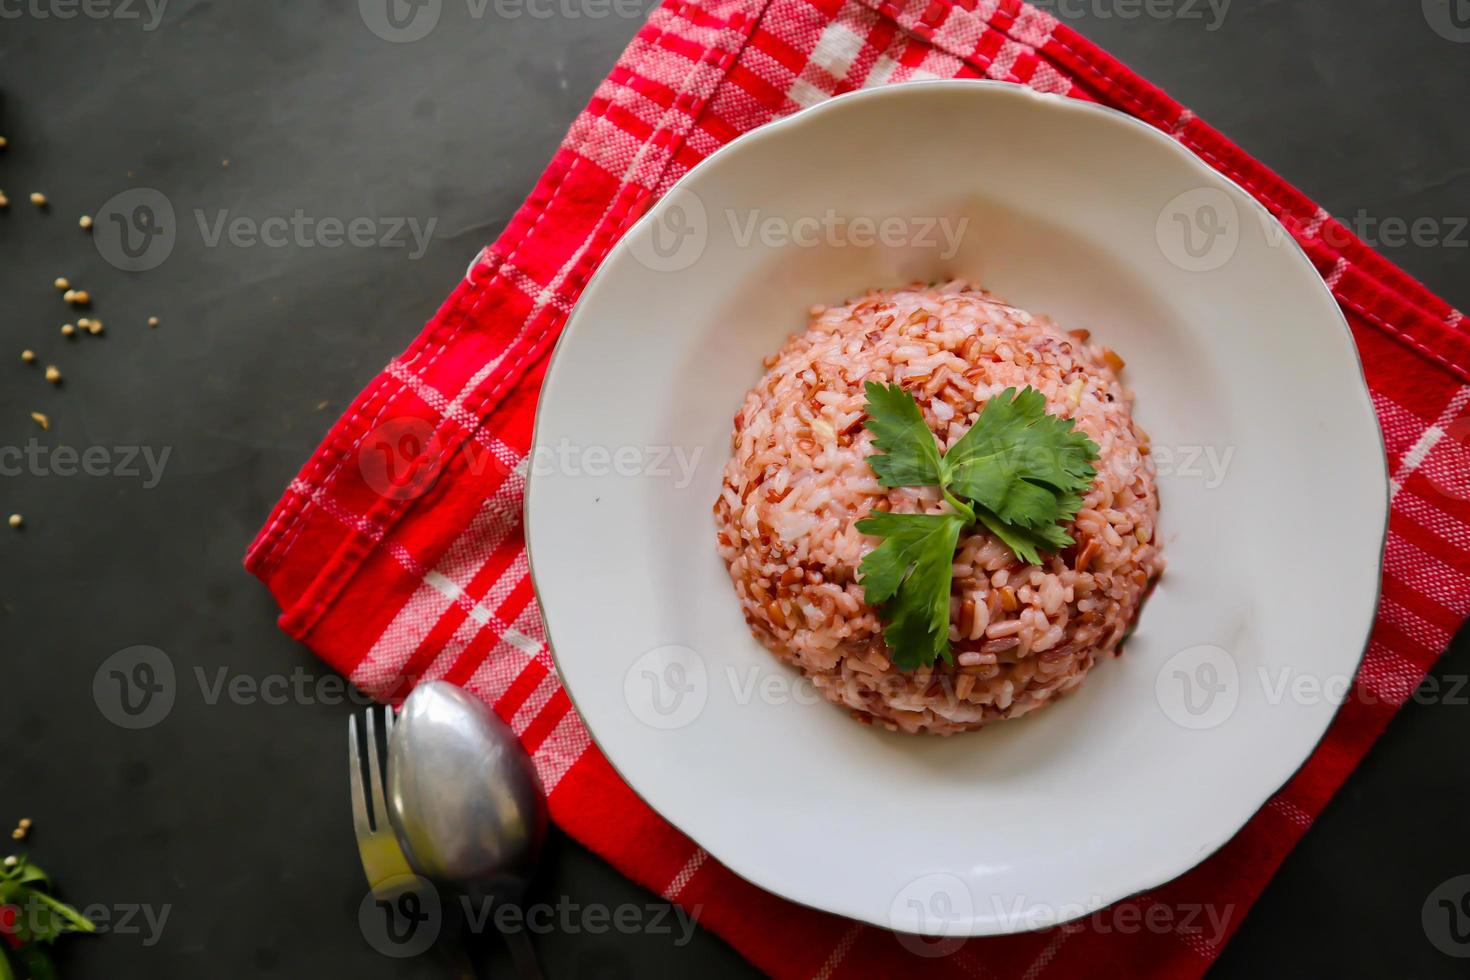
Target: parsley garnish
(910, 455)
(1018, 471)
(30, 916)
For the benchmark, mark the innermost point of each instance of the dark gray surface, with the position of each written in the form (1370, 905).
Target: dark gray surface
(234, 815)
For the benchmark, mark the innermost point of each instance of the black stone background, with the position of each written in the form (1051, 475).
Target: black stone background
(235, 815)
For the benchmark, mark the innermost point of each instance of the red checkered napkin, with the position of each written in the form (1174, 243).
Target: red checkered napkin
(397, 554)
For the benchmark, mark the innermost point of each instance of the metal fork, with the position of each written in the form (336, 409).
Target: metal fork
(389, 874)
(382, 858)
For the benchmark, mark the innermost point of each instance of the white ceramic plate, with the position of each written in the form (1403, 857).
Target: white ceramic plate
(1274, 503)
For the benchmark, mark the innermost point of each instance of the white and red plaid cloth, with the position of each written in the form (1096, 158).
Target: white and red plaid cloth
(393, 587)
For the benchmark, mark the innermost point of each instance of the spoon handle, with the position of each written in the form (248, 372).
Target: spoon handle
(457, 958)
(523, 954)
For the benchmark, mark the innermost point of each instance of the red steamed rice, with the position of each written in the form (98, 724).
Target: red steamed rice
(799, 479)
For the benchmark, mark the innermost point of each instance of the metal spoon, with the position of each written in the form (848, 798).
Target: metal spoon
(464, 800)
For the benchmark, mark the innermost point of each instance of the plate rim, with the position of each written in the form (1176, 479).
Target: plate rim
(977, 927)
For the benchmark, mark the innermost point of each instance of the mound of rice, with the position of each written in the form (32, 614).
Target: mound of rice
(799, 479)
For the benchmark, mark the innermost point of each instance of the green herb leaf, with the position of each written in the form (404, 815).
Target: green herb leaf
(910, 456)
(1028, 543)
(67, 918)
(29, 874)
(1023, 473)
(1021, 464)
(40, 917)
(908, 577)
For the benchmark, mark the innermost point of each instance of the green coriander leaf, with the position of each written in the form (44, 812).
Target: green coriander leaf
(75, 921)
(1026, 542)
(43, 919)
(1018, 471)
(910, 456)
(908, 577)
(1020, 463)
(1068, 504)
(28, 874)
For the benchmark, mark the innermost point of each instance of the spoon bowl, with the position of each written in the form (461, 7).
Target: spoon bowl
(463, 795)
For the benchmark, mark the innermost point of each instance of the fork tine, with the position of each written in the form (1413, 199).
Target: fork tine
(360, 820)
(377, 775)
